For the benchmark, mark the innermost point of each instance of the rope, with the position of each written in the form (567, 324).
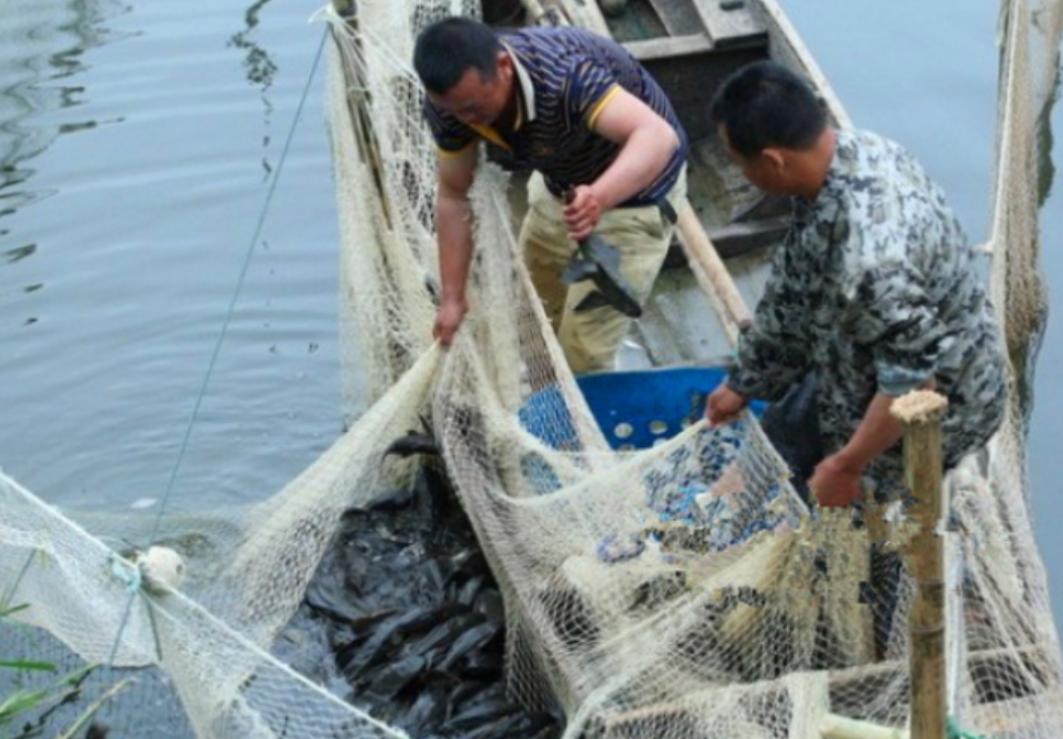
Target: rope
(224, 329)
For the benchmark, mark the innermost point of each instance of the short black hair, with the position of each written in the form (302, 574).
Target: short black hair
(449, 48)
(765, 104)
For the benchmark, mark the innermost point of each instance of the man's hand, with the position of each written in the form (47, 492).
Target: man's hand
(583, 212)
(448, 319)
(724, 405)
(834, 483)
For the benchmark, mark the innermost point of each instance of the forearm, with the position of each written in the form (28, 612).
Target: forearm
(644, 155)
(454, 234)
(877, 432)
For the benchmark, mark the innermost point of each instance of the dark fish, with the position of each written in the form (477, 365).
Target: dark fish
(414, 442)
(465, 563)
(390, 679)
(363, 625)
(355, 662)
(519, 725)
(506, 727)
(395, 501)
(489, 603)
(468, 592)
(491, 704)
(430, 708)
(444, 634)
(432, 573)
(485, 664)
(465, 692)
(473, 639)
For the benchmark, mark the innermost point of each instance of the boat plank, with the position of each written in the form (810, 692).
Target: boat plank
(730, 23)
(666, 47)
(676, 17)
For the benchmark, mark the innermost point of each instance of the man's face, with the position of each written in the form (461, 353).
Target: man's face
(763, 170)
(476, 100)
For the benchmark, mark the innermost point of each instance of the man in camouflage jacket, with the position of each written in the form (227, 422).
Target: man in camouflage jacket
(873, 290)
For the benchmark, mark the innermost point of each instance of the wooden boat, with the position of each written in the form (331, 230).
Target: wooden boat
(725, 238)
(727, 235)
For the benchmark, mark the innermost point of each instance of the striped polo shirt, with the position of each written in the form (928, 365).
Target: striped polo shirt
(566, 76)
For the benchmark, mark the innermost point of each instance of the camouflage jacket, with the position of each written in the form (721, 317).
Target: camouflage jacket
(875, 290)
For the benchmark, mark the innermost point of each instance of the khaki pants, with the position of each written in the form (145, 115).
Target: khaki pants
(591, 339)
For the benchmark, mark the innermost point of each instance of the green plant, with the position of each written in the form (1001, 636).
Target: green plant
(43, 702)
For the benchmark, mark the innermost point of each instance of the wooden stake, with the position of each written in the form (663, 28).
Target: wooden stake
(711, 273)
(920, 411)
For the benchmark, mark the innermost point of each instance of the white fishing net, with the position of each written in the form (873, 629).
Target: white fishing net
(677, 591)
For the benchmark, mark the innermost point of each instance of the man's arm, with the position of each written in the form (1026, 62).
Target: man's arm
(454, 237)
(647, 144)
(889, 311)
(836, 481)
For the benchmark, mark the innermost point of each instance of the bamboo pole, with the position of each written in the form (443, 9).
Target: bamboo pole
(711, 273)
(920, 411)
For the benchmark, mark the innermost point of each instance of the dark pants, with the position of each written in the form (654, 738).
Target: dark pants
(792, 425)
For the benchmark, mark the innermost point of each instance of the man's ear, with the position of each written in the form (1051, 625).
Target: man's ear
(774, 157)
(504, 64)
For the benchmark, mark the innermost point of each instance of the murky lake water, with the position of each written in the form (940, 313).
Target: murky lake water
(138, 144)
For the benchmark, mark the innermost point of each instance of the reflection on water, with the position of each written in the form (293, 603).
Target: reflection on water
(13, 255)
(259, 67)
(41, 43)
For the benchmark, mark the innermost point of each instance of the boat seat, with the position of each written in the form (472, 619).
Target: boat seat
(718, 24)
(731, 23)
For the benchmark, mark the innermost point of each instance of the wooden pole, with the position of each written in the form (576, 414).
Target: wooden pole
(920, 411)
(711, 273)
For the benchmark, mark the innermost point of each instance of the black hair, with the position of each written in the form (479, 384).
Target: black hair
(765, 104)
(448, 48)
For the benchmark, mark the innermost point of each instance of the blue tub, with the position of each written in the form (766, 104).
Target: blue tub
(634, 409)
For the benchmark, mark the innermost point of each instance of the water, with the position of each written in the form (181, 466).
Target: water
(138, 145)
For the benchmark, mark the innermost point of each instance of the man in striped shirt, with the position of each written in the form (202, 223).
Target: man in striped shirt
(584, 115)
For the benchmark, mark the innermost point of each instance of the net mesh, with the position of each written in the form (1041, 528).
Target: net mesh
(678, 591)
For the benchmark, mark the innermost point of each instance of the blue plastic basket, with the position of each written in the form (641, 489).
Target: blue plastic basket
(634, 409)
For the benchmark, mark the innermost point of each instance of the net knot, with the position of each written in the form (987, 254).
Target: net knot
(156, 571)
(953, 730)
(126, 573)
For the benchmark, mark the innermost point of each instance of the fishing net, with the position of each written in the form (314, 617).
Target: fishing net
(682, 590)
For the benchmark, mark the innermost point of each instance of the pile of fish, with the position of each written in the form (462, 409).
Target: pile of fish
(414, 620)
